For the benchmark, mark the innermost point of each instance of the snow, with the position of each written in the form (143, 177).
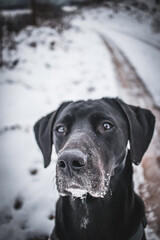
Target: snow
(146, 69)
(34, 191)
(77, 67)
(9, 13)
(131, 38)
(69, 8)
(77, 193)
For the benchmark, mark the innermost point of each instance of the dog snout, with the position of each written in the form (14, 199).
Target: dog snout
(71, 162)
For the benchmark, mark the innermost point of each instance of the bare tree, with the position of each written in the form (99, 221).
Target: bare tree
(33, 9)
(1, 41)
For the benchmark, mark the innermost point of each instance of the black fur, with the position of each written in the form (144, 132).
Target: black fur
(117, 214)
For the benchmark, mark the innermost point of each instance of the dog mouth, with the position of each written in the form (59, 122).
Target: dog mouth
(76, 192)
(96, 188)
(73, 190)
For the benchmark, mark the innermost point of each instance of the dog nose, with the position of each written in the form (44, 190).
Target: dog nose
(71, 162)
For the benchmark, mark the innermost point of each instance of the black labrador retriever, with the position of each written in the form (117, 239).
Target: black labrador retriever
(94, 167)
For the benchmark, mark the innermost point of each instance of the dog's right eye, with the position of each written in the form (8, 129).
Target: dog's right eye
(61, 129)
(107, 126)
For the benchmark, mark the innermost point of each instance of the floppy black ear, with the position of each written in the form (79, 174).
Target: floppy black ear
(141, 127)
(44, 133)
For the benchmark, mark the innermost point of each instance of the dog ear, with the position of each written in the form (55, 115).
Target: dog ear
(43, 130)
(141, 127)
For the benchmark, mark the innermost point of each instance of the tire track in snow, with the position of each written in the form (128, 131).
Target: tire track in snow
(133, 87)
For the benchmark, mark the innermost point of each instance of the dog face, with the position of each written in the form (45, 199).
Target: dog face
(90, 139)
(86, 137)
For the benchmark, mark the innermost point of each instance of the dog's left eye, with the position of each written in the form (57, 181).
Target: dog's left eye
(60, 129)
(107, 126)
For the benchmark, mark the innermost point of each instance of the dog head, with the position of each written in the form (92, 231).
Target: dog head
(90, 139)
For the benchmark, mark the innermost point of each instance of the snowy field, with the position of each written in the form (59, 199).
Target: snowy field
(71, 65)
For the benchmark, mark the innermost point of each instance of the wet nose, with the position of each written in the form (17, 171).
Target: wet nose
(71, 162)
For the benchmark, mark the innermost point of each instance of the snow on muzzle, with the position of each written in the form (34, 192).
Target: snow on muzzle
(80, 168)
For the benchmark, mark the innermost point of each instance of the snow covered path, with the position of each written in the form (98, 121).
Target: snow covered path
(79, 63)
